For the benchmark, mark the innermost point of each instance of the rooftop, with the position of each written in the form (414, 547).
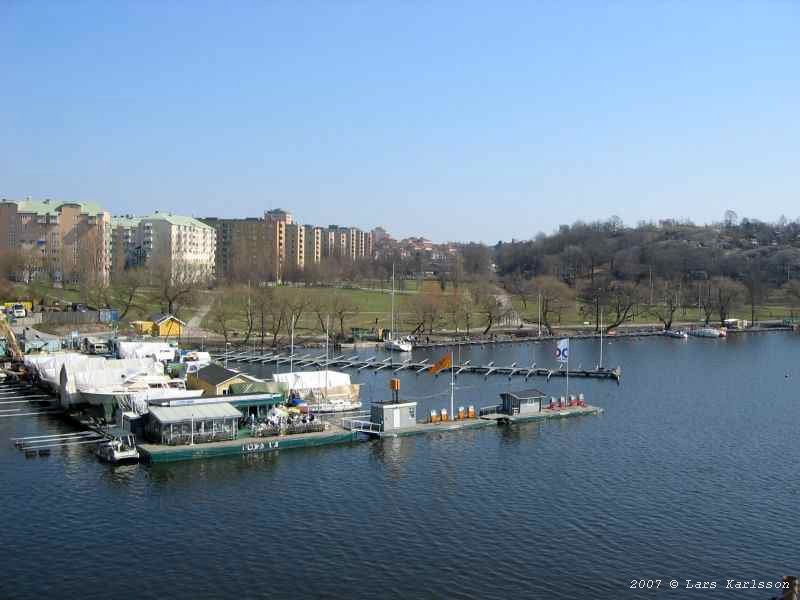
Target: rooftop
(177, 220)
(52, 207)
(178, 414)
(215, 374)
(525, 394)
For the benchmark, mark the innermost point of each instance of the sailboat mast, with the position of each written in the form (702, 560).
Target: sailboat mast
(291, 349)
(327, 337)
(452, 385)
(601, 338)
(391, 329)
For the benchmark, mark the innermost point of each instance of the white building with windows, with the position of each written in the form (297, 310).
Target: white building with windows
(178, 242)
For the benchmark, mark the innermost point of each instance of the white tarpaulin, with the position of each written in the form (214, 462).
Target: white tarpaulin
(306, 381)
(48, 366)
(160, 350)
(105, 373)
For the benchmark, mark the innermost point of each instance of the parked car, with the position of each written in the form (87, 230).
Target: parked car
(18, 310)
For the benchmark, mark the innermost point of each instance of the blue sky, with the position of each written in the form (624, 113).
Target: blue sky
(457, 121)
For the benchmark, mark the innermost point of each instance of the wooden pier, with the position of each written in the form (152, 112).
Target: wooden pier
(389, 363)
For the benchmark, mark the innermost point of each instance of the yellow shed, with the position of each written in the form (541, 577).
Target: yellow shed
(143, 327)
(167, 326)
(215, 380)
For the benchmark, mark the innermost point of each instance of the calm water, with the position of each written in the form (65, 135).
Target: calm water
(690, 473)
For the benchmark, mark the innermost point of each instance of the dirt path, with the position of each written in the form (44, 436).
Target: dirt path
(194, 326)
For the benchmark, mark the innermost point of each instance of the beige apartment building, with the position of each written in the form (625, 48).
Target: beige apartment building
(313, 237)
(66, 241)
(182, 246)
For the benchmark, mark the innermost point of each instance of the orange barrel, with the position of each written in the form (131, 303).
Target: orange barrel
(444, 414)
(462, 414)
(434, 416)
(471, 412)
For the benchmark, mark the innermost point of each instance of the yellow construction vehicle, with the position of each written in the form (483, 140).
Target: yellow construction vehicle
(11, 339)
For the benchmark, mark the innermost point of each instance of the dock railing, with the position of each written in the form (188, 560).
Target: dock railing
(352, 424)
(490, 410)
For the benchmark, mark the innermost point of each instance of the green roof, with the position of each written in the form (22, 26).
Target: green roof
(125, 221)
(51, 207)
(177, 220)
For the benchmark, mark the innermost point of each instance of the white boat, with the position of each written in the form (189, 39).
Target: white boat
(676, 333)
(392, 343)
(139, 388)
(709, 332)
(398, 345)
(323, 391)
(118, 449)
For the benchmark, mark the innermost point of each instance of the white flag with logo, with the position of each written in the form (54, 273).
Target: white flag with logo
(562, 350)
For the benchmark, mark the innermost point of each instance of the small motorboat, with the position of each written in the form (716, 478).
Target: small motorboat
(398, 345)
(118, 450)
(676, 333)
(708, 332)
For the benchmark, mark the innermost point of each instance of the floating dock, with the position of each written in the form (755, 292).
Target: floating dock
(493, 419)
(372, 363)
(157, 453)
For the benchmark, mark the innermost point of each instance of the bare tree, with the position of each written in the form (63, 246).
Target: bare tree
(489, 305)
(792, 291)
(175, 286)
(223, 313)
(622, 298)
(341, 307)
(729, 295)
(667, 301)
(756, 287)
(554, 296)
(466, 306)
(427, 309)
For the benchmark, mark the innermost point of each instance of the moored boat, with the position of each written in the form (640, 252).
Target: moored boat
(118, 450)
(398, 345)
(143, 388)
(708, 332)
(676, 333)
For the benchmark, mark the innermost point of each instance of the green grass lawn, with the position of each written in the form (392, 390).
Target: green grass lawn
(573, 316)
(146, 305)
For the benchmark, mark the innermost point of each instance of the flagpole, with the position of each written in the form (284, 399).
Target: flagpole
(452, 384)
(568, 353)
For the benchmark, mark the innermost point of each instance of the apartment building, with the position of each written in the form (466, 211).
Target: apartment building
(242, 248)
(181, 246)
(313, 238)
(123, 237)
(66, 241)
(295, 249)
(277, 221)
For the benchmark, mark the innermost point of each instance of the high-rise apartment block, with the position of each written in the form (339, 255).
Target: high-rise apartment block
(66, 241)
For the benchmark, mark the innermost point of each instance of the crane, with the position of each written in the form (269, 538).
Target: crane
(8, 333)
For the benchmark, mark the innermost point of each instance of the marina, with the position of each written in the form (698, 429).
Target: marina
(439, 472)
(375, 363)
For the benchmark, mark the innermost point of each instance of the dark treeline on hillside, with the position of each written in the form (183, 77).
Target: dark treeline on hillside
(665, 265)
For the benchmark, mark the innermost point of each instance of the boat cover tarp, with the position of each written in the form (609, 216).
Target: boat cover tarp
(306, 381)
(160, 350)
(48, 366)
(93, 374)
